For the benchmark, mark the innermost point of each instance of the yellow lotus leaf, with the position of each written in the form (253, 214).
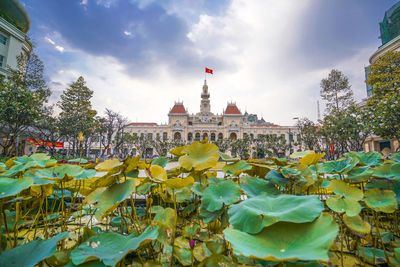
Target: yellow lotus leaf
(108, 165)
(177, 183)
(41, 190)
(199, 156)
(311, 158)
(342, 188)
(156, 173)
(178, 151)
(356, 224)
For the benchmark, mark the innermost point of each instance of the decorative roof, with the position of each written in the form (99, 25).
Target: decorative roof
(15, 13)
(143, 124)
(178, 108)
(232, 109)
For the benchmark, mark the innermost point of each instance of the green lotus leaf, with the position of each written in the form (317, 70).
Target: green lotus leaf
(253, 186)
(181, 194)
(201, 252)
(291, 171)
(209, 216)
(111, 247)
(387, 171)
(199, 156)
(369, 253)
(15, 169)
(86, 174)
(340, 205)
(79, 160)
(286, 241)
(277, 178)
(218, 194)
(311, 158)
(396, 260)
(166, 217)
(156, 173)
(379, 183)
(396, 157)
(342, 188)
(369, 159)
(359, 174)
(303, 264)
(226, 157)
(161, 161)
(113, 195)
(177, 183)
(108, 165)
(253, 214)
(10, 187)
(64, 171)
(356, 224)
(381, 200)
(338, 166)
(236, 168)
(31, 253)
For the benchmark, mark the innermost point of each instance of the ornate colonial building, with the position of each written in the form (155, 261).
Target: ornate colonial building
(232, 124)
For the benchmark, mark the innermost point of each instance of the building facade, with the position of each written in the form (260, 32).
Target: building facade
(231, 124)
(390, 37)
(14, 26)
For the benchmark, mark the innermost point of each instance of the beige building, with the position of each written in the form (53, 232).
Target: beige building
(232, 124)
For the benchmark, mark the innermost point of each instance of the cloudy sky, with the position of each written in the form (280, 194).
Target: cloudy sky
(268, 56)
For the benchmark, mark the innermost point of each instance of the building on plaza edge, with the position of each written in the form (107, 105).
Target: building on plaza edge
(232, 124)
(390, 37)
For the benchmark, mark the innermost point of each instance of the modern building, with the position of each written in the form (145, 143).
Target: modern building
(14, 26)
(232, 123)
(390, 37)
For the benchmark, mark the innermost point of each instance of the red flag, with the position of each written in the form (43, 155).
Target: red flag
(209, 71)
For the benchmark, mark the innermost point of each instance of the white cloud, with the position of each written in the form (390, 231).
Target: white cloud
(53, 43)
(49, 40)
(84, 2)
(59, 48)
(127, 33)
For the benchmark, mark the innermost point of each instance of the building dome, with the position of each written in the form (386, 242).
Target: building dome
(13, 12)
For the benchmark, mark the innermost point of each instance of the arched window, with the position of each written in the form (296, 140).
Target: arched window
(212, 136)
(177, 136)
(233, 136)
(205, 135)
(190, 137)
(165, 136)
(197, 137)
(220, 136)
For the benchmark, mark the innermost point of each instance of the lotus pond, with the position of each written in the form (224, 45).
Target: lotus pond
(273, 212)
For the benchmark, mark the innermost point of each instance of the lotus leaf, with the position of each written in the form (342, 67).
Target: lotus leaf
(396, 260)
(255, 186)
(161, 161)
(86, 174)
(387, 171)
(226, 157)
(78, 160)
(359, 174)
(201, 252)
(338, 166)
(341, 188)
(379, 183)
(199, 156)
(10, 187)
(277, 178)
(113, 195)
(356, 224)
(396, 157)
(177, 183)
(209, 216)
(369, 253)
(111, 247)
(178, 151)
(300, 154)
(381, 200)
(369, 159)
(156, 173)
(236, 168)
(311, 158)
(31, 253)
(15, 169)
(108, 165)
(286, 241)
(253, 214)
(57, 173)
(340, 205)
(218, 194)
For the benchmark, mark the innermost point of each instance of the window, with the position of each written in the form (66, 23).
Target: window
(150, 136)
(190, 123)
(1, 60)
(3, 39)
(165, 136)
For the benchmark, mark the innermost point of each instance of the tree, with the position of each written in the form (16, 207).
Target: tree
(309, 134)
(22, 98)
(76, 114)
(240, 147)
(160, 146)
(385, 74)
(336, 91)
(223, 144)
(384, 105)
(273, 145)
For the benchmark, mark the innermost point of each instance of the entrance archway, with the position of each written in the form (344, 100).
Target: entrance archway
(233, 136)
